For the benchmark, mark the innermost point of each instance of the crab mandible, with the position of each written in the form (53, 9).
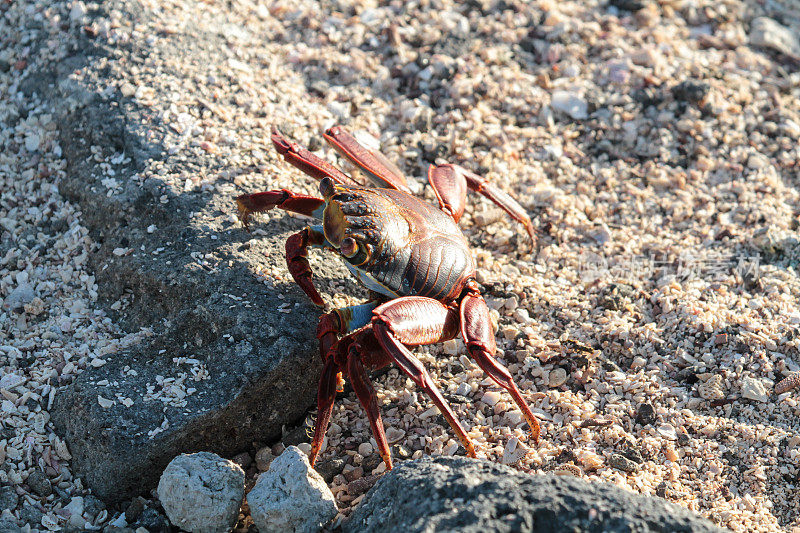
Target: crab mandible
(414, 260)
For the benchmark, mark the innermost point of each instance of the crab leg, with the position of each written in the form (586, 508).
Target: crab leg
(380, 170)
(308, 162)
(450, 183)
(325, 396)
(476, 330)
(416, 320)
(366, 395)
(296, 259)
(342, 320)
(248, 204)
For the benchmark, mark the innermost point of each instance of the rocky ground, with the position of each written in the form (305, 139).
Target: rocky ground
(654, 328)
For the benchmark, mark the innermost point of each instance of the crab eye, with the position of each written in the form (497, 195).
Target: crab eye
(326, 187)
(349, 247)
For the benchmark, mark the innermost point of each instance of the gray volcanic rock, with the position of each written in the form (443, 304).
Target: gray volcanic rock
(446, 494)
(182, 267)
(202, 492)
(291, 496)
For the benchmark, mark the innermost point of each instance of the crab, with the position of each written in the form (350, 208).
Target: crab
(414, 260)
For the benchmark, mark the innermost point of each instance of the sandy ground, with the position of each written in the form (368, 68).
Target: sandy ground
(656, 151)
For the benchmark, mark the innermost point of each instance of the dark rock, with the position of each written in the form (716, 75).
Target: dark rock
(9, 526)
(468, 495)
(39, 484)
(689, 91)
(31, 515)
(135, 509)
(213, 309)
(689, 374)
(371, 462)
(296, 435)
(628, 5)
(152, 521)
(648, 96)
(633, 453)
(243, 459)
(362, 485)
(92, 505)
(620, 462)
(8, 497)
(354, 474)
(329, 468)
(645, 414)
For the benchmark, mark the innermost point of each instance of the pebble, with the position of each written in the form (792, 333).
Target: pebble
(21, 295)
(712, 388)
(362, 485)
(790, 382)
(329, 468)
(768, 33)
(263, 458)
(620, 462)
(354, 473)
(371, 462)
(395, 435)
(690, 91)
(558, 376)
(570, 104)
(646, 414)
(491, 397)
(365, 449)
(8, 497)
(39, 483)
(670, 453)
(127, 90)
(754, 389)
(291, 496)
(202, 492)
(667, 431)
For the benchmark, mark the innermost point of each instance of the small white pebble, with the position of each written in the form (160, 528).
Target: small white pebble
(105, 403)
(491, 397)
(365, 449)
(558, 376)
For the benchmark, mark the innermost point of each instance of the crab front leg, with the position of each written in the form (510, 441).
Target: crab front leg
(330, 326)
(350, 355)
(451, 182)
(476, 330)
(297, 259)
(326, 393)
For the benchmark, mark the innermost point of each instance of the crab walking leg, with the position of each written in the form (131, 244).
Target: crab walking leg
(282, 199)
(296, 259)
(450, 183)
(342, 320)
(309, 163)
(416, 320)
(366, 395)
(325, 396)
(476, 330)
(380, 170)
